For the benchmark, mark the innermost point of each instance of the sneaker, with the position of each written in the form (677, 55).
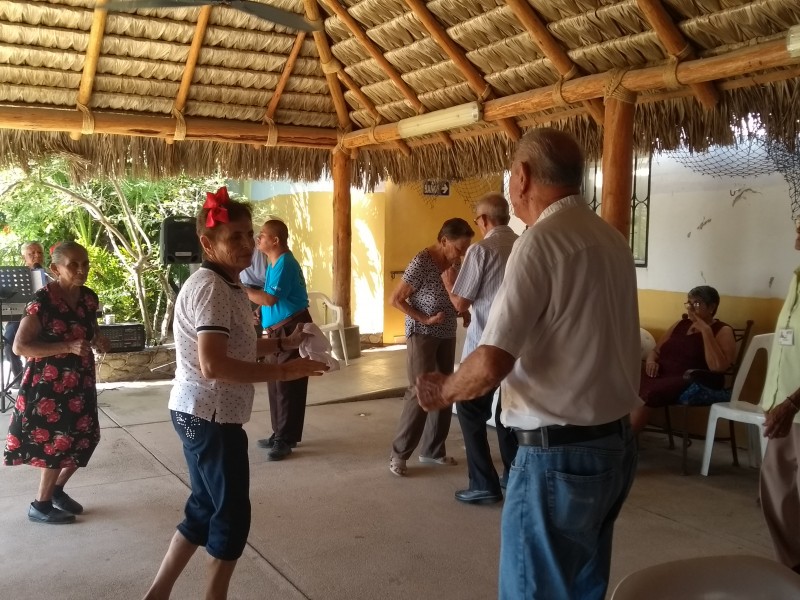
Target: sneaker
(270, 441)
(54, 517)
(64, 502)
(266, 442)
(280, 450)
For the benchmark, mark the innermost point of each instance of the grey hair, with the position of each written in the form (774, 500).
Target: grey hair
(495, 206)
(553, 157)
(24, 248)
(60, 249)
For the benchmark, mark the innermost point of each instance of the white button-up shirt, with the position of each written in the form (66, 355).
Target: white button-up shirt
(567, 310)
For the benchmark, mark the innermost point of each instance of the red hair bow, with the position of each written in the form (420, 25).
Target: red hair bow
(215, 203)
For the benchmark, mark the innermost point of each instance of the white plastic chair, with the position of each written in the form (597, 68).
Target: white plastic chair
(322, 308)
(717, 577)
(736, 410)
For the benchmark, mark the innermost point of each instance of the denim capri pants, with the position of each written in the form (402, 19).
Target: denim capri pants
(217, 513)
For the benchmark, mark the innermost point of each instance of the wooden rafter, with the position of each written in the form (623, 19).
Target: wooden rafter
(287, 72)
(377, 54)
(552, 50)
(768, 55)
(676, 45)
(92, 56)
(474, 78)
(191, 61)
(326, 58)
(370, 107)
(191, 64)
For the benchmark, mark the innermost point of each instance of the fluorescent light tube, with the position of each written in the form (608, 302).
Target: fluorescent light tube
(793, 41)
(440, 120)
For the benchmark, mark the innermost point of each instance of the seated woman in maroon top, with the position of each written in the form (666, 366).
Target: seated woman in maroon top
(698, 341)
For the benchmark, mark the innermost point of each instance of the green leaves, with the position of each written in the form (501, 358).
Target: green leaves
(117, 220)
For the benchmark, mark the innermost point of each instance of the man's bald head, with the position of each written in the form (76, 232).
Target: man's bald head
(278, 229)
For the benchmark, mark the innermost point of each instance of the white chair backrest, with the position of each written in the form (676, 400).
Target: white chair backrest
(758, 342)
(316, 306)
(719, 577)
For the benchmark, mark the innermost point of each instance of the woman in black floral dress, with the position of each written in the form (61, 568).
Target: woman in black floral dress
(54, 425)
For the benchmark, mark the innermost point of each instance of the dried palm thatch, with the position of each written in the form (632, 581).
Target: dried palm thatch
(146, 62)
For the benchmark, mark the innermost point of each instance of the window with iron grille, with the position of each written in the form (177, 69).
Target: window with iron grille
(640, 200)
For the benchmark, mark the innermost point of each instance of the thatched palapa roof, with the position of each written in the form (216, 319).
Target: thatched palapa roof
(163, 90)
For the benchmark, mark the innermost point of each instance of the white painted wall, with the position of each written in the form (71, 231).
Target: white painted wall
(699, 237)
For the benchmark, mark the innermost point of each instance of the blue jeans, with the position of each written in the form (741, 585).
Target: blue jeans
(217, 513)
(558, 518)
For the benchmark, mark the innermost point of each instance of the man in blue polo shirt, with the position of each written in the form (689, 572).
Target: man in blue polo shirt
(284, 305)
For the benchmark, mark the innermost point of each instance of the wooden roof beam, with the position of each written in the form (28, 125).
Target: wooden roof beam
(90, 62)
(677, 46)
(474, 78)
(31, 118)
(326, 58)
(553, 51)
(285, 74)
(749, 59)
(377, 54)
(746, 81)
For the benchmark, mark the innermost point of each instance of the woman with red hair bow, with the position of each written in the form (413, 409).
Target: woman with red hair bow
(216, 350)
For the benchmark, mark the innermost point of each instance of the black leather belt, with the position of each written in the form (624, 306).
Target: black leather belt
(563, 435)
(276, 329)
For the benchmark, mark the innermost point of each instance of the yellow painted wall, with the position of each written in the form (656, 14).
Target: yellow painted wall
(309, 216)
(412, 222)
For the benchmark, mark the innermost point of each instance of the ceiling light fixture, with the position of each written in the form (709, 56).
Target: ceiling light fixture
(440, 120)
(793, 41)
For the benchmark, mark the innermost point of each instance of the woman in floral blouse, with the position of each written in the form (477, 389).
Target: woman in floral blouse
(54, 425)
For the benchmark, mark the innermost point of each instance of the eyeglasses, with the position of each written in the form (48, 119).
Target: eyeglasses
(695, 304)
(475, 220)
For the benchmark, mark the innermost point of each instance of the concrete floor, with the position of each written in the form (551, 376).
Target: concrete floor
(331, 522)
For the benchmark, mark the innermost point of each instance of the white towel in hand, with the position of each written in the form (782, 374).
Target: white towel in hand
(317, 347)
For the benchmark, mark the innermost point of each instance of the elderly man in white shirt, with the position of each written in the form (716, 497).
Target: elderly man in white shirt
(563, 332)
(475, 287)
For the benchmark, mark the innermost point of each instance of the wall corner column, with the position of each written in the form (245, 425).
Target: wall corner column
(342, 231)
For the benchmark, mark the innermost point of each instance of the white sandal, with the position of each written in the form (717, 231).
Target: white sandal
(447, 461)
(398, 466)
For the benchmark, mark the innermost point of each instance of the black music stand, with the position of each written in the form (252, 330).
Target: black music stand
(16, 285)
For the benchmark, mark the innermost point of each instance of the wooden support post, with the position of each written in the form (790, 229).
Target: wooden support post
(342, 231)
(618, 164)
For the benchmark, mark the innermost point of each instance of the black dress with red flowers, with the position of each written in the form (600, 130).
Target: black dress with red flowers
(54, 423)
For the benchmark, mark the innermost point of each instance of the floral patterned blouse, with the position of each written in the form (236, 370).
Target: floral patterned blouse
(54, 423)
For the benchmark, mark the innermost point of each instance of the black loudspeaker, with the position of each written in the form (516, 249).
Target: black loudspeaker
(178, 241)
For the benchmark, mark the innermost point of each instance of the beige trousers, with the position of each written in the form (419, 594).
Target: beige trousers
(425, 354)
(780, 496)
